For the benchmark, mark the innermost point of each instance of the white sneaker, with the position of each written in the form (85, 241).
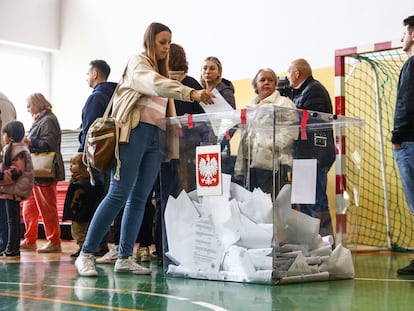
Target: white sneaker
(109, 257)
(130, 266)
(85, 263)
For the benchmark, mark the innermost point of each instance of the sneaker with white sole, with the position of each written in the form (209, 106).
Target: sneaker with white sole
(109, 257)
(50, 248)
(130, 266)
(85, 264)
(26, 247)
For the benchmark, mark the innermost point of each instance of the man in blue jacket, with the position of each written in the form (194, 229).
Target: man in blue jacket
(94, 108)
(309, 94)
(97, 102)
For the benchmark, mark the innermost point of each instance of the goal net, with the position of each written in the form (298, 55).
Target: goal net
(365, 85)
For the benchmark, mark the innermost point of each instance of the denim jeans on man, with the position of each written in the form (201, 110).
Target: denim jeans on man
(404, 156)
(140, 164)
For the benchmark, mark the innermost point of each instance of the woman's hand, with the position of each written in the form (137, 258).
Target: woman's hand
(204, 96)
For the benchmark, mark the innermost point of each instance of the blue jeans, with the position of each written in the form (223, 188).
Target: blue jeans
(3, 225)
(321, 207)
(404, 156)
(140, 164)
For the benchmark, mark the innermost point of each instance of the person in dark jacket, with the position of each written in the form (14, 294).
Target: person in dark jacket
(178, 66)
(97, 102)
(16, 182)
(44, 136)
(211, 77)
(94, 108)
(82, 199)
(310, 94)
(200, 133)
(403, 132)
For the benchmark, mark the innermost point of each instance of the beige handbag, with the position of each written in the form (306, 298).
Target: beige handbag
(44, 164)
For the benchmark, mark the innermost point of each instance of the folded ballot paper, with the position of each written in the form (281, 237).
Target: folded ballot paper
(242, 236)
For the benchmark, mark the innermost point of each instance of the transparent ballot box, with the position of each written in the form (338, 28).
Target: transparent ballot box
(237, 195)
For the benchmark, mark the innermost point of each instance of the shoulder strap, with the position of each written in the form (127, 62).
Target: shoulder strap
(104, 117)
(111, 101)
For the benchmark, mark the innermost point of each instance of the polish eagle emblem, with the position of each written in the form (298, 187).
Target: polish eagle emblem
(208, 170)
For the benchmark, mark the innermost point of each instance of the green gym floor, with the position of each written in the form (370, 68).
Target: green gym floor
(50, 282)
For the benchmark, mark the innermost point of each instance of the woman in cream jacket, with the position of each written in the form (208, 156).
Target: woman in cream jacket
(139, 103)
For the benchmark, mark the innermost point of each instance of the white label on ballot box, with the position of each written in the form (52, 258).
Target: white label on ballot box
(304, 181)
(208, 170)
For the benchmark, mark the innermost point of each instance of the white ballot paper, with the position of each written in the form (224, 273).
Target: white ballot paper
(220, 104)
(221, 123)
(258, 208)
(304, 181)
(179, 230)
(212, 238)
(207, 252)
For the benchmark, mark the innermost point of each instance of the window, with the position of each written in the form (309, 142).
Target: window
(22, 72)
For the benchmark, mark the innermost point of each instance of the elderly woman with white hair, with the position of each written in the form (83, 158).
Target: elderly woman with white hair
(264, 152)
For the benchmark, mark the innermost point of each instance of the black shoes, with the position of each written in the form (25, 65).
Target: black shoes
(9, 255)
(100, 252)
(407, 270)
(12, 254)
(76, 255)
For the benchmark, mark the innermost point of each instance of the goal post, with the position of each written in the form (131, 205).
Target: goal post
(366, 80)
